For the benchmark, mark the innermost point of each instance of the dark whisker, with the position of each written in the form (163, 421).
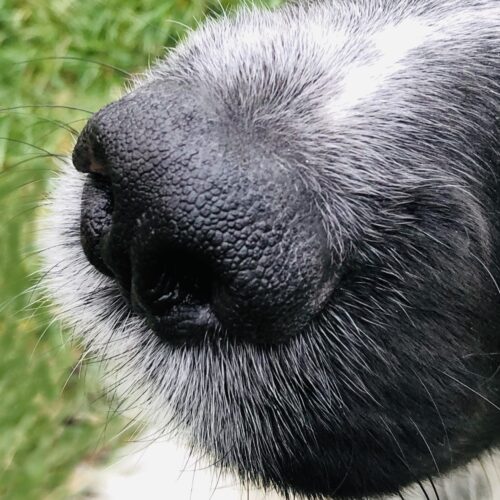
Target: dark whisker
(424, 491)
(80, 59)
(434, 488)
(27, 160)
(426, 444)
(58, 123)
(34, 146)
(45, 106)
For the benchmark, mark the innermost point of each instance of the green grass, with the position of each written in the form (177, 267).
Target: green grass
(51, 417)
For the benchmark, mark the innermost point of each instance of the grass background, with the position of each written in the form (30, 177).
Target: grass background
(59, 60)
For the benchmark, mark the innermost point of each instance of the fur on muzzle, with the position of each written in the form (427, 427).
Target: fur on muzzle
(287, 235)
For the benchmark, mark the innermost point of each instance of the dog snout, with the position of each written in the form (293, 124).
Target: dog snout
(201, 227)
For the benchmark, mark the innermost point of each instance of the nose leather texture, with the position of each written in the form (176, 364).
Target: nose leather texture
(198, 221)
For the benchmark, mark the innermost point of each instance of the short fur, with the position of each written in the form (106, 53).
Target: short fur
(389, 112)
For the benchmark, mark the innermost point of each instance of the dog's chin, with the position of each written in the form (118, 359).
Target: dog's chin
(257, 411)
(269, 414)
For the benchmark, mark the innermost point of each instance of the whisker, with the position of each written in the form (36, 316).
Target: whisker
(34, 146)
(426, 444)
(80, 59)
(45, 106)
(494, 281)
(484, 398)
(42, 119)
(40, 338)
(438, 412)
(216, 483)
(9, 168)
(74, 370)
(423, 490)
(434, 488)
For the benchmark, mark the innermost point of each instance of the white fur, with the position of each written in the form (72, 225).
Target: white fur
(392, 43)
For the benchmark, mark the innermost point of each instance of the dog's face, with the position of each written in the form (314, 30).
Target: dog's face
(286, 237)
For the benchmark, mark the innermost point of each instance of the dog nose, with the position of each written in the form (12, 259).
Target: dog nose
(201, 225)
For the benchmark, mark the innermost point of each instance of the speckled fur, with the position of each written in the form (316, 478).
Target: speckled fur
(389, 111)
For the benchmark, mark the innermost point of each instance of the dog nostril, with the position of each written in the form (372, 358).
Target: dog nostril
(175, 278)
(95, 219)
(158, 297)
(96, 168)
(98, 202)
(89, 155)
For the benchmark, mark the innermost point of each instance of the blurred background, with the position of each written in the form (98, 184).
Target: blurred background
(60, 60)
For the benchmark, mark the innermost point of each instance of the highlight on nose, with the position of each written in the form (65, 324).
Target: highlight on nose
(202, 228)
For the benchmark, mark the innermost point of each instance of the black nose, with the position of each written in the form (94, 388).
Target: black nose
(197, 219)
